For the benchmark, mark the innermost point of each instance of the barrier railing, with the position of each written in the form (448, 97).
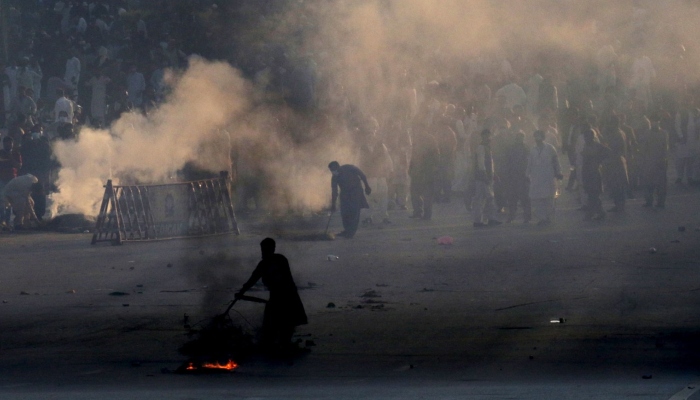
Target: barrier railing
(157, 212)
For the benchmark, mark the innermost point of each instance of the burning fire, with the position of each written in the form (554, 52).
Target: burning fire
(229, 366)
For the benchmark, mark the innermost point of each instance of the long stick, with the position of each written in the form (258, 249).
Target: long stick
(247, 298)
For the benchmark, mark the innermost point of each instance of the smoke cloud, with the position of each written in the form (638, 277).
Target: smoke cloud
(368, 57)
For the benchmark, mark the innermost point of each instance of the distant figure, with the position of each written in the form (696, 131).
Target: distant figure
(483, 203)
(516, 180)
(593, 154)
(17, 194)
(64, 109)
(10, 164)
(423, 170)
(284, 310)
(349, 179)
(653, 155)
(543, 168)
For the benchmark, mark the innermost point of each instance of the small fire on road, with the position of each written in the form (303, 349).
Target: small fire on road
(230, 365)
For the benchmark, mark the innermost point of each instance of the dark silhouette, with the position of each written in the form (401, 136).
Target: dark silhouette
(349, 179)
(284, 310)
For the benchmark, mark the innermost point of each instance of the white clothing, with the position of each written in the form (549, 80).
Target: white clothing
(18, 189)
(513, 95)
(543, 168)
(63, 104)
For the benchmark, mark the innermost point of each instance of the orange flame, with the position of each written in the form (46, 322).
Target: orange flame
(229, 366)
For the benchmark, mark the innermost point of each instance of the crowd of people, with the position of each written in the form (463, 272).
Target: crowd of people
(499, 133)
(69, 64)
(494, 134)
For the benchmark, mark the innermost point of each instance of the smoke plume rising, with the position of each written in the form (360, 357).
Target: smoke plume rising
(368, 57)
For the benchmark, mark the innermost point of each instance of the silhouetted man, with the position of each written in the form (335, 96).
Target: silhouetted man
(284, 310)
(594, 153)
(349, 179)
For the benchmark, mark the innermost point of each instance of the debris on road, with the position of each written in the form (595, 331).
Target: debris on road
(646, 376)
(23, 293)
(445, 240)
(371, 294)
(652, 250)
(330, 305)
(119, 294)
(332, 257)
(681, 229)
(72, 291)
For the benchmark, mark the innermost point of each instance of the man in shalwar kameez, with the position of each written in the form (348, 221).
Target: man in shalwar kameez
(543, 168)
(284, 310)
(349, 179)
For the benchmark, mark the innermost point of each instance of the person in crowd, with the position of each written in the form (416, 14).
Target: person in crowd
(348, 180)
(593, 155)
(64, 109)
(544, 170)
(72, 74)
(615, 166)
(135, 86)
(399, 183)
(378, 167)
(284, 310)
(687, 132)
(16, 195)
(653, 162)
(98, 104)
(447, 146)
(483, 205)
(36, 157)
(516, 180)
(423, 170)
(10, 164)
(632, 151)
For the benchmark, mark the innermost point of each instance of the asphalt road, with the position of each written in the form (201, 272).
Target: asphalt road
(412, 318)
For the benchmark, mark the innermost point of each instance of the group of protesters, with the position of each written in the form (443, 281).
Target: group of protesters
(71, 64)
(495, 137)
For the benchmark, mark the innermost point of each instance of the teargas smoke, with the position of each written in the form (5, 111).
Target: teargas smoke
(377, 60)
(209, 120)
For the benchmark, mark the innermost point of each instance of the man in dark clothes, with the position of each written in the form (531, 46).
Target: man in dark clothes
(423, 170)
(653, 162)
(594, 153)
(515, 178)
(284, 310)
(615, 166)
(349, 179)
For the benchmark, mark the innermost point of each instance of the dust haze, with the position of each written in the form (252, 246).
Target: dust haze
(371, 59)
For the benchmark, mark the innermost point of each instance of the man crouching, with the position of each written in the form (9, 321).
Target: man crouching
(17, 194)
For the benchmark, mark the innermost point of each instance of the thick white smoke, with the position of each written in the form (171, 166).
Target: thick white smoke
(208, 115)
